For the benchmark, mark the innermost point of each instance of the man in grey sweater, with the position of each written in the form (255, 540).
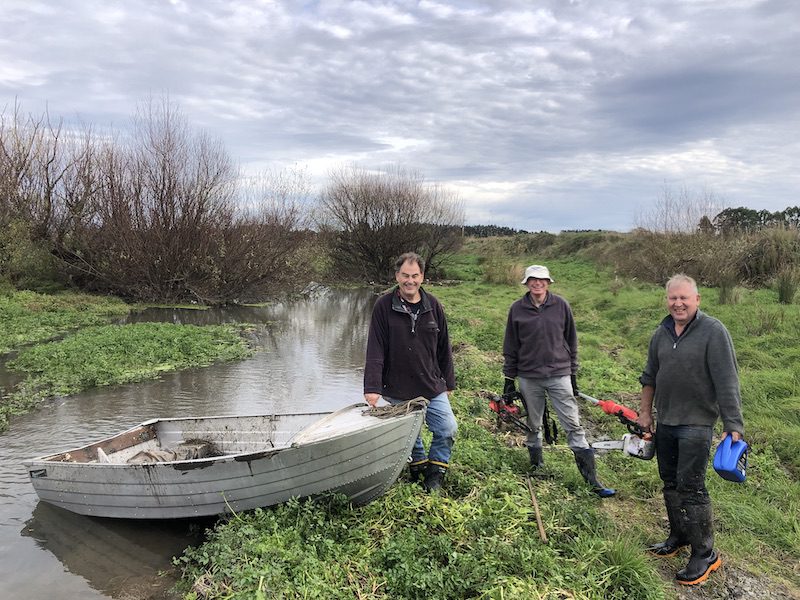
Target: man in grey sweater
(691, 373)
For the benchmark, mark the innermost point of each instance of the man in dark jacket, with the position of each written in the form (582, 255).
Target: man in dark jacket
(691, 373)
(541, 349)
(409, 355)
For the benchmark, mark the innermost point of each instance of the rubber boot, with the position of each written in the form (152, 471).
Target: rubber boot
(434, 476)
(699, 528)
(585, 460)
(417, 470)
(537, 460)
(676, 539)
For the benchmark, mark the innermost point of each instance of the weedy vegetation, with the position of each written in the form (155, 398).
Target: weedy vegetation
(28, 317)
(101, 355)
(479, 539)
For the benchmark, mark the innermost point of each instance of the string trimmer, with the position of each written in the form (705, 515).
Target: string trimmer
(509, 412)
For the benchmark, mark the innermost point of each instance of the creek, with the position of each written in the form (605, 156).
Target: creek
(310, 357)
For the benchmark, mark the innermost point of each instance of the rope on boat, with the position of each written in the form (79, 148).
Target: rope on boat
(397, 410)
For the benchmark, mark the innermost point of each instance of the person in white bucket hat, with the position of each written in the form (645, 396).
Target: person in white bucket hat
(541, 350)
(537, 272)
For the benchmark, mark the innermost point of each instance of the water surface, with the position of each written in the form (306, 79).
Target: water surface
(310, 358)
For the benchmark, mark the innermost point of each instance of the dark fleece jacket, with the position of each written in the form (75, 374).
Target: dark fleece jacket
(540, 342)
(408, 357)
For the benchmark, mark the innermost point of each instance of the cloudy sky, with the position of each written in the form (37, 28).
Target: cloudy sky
(541, 115)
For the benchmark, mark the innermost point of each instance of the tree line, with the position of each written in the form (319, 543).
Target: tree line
(484, 231)
(747, 220)
(162, 213)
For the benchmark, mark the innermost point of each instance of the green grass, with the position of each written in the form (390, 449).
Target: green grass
(479, 538)
(115, 354)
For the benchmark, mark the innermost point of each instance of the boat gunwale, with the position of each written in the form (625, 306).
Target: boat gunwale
(46, 460)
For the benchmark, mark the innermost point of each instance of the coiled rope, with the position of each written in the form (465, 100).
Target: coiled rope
(397, 410)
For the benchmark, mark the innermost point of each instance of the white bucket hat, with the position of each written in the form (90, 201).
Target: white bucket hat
(537, 272)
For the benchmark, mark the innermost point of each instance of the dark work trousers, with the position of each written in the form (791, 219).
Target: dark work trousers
(682, 452)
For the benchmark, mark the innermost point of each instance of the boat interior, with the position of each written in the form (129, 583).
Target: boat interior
(169, 440)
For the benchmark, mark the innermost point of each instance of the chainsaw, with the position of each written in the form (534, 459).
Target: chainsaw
(510, 412)
(631, 444)
(637, 442)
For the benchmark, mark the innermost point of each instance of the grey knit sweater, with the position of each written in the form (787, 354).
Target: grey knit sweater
(695, 375)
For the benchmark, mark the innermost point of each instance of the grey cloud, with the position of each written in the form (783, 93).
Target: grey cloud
(581, 108)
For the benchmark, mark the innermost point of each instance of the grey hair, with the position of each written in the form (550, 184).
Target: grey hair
(409, 256)
(681, 278)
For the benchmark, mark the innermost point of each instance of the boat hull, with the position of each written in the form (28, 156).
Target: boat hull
(346, 452)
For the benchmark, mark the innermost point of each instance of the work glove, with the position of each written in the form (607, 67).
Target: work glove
(573, 379)
(508, 387)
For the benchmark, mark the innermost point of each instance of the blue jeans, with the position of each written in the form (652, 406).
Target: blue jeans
(442, 423)
(682, 452)
(559, 389)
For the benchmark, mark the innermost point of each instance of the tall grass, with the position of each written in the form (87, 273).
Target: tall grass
(787, 281)
(753, 259)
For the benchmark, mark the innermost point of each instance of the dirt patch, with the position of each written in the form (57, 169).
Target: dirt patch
(732, 583)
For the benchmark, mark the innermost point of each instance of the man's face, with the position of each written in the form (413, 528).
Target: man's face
(538, 287)
(682, 302)
(410, 278)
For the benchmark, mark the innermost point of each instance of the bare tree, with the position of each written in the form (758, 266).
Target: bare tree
(35, 158)
(33, 161)
(160, 214)
(379, 215)
(257, 249)
(159, 200)
(679, 211)
(442, 227)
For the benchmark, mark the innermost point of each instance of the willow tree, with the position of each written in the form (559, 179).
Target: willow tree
(375, 216)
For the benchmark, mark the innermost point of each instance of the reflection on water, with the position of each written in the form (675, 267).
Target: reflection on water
(310, 357)
(117, 556)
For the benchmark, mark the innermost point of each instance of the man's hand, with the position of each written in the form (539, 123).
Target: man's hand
(735, 436)
(372, 399)
(508, 386)
(645, 421)
(573, 379)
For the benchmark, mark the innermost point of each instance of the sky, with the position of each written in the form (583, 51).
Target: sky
(539, 115)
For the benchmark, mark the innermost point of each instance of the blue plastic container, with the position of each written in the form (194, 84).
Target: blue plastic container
(730, 460)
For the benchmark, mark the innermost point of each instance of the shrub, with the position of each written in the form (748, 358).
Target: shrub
(771, 250)
(23, 262)
(787, 282)
(753, 258)
(728, 292)
(502, 271)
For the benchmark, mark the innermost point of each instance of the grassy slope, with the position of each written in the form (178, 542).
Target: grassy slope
(757, 522)
(479, 538)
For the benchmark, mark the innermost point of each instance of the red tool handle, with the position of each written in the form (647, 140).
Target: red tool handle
(612, 408)
(627, 416)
